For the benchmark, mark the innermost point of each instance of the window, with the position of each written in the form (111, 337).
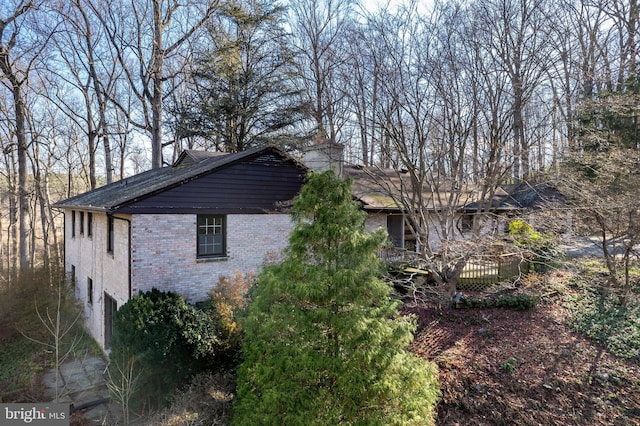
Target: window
(89, 291)
(89, 224)
(81, 223)
(395, 229)
(211, 236)
(466, 222)
(73, 277)
(110, 234)
(73, 223)
(110, 308)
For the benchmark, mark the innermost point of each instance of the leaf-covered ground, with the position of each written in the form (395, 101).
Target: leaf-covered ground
(507, 367)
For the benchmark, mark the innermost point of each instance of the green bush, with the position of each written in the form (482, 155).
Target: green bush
(168, 341)
(324, 343)
(602, 317)
(543, 247)
(520, 302)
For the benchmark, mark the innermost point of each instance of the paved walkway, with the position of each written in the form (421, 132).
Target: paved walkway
(582, 247)
(78, 382)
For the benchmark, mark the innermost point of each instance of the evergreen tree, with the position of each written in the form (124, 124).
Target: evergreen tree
(244, 94)
(324, 343)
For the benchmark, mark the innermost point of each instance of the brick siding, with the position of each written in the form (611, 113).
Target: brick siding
(164, 251)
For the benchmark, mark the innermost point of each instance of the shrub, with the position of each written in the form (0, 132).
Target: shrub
(206, 400)
(510, 365)
(519, 302)
(167, 339)
(543, 247)
(226, 302)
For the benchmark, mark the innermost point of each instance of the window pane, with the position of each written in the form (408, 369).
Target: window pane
(210, 244)
(211, 235)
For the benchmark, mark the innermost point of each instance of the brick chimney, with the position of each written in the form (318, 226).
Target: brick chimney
(324, 154)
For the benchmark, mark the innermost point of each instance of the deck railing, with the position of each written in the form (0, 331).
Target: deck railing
(479, 271)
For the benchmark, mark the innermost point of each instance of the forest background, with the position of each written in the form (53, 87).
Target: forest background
(480, 92)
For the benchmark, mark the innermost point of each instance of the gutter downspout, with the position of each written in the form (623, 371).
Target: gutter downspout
(64, 245)
(129, 250)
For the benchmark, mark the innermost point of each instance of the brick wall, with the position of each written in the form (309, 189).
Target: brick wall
(108, 271)
(164, 251)
(164, 256)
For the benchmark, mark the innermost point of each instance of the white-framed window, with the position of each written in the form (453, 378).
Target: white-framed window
(211, 236)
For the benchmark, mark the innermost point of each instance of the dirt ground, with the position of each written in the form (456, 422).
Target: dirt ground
(506, 367)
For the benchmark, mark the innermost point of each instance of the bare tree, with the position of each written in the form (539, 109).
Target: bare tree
(514, 31)
(89, 67)
(362, 80)
(144, 36)
(445, 120)
(16, 63)
(319, 27)
(603, 193)
(601, 174)
(10, 197)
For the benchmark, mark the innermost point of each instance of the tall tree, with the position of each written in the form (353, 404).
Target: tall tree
(445, 120)
(16, 63)
(324, 343)
(243, 84)
(514, 32)
(319, 27)
(149, 39)
(90, 67)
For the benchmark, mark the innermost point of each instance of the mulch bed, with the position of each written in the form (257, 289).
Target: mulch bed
(505, 367)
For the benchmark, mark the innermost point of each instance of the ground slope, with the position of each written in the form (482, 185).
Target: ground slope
(505, 367)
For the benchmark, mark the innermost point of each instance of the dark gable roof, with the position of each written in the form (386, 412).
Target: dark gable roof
(189, 166)
(535, 195)
(191, 156)
(521, 196)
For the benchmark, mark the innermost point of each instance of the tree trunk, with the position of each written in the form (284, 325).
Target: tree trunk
(91, 139)
(100, 96)
(156, 99)
(23, 195)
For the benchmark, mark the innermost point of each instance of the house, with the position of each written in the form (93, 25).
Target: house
(181, 228)
(539, 203)
(177, 228)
